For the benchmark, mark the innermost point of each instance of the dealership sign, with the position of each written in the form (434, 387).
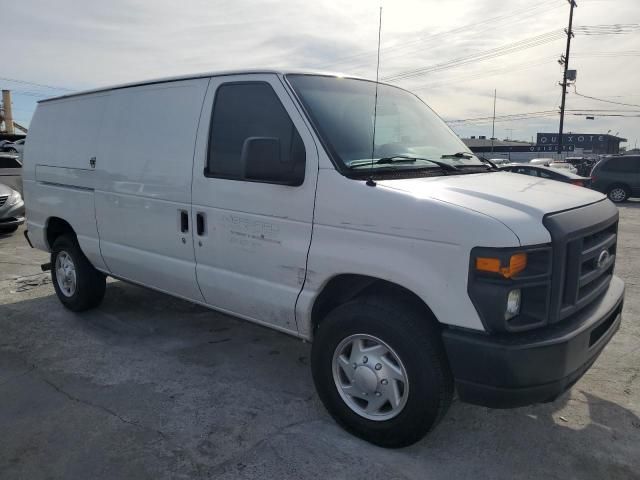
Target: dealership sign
(578, 140)
(551, 148)
(520, 148)
(570, 138)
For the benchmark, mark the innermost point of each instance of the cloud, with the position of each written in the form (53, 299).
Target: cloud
(80, 44)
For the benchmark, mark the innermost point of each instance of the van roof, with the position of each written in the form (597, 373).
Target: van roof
(197, 75)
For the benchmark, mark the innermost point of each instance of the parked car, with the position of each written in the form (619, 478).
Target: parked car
(412, 273)
(541, 161)
(583, 165)
(12, 147)
(563, 166)
(11, 171)
(11, 210)
(499, 161)
(618, 176)
(547, 172)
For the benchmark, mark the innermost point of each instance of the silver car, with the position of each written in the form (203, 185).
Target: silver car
(11, 210)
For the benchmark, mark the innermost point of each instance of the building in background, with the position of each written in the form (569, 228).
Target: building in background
(546, 146)
(583, 143)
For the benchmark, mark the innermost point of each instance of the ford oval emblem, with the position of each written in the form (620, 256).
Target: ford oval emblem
(602, 258)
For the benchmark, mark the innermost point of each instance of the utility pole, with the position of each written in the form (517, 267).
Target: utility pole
(493, 127)
(7, 114)
(565, 60)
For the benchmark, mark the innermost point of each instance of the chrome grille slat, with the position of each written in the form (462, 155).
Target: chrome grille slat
(3, 199)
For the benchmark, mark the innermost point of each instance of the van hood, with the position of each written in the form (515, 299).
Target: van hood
(518, 201)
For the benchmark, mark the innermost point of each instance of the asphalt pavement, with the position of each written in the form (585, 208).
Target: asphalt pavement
(147, 386)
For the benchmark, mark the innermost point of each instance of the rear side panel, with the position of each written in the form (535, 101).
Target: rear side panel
(58, 178)
(144, 168)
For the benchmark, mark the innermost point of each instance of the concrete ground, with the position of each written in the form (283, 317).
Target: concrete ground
(148, 386)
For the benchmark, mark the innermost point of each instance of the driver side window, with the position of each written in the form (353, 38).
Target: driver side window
(252, 137)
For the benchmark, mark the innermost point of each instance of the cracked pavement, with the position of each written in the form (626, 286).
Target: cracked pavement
(147, 386)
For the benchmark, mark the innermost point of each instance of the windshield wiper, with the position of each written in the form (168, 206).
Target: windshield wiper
(409, 159)
(458, 155)
(468, 155)
(492, 165)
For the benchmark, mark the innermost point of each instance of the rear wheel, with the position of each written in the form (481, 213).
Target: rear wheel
(618, 193)
(77, 283)
(381, 371)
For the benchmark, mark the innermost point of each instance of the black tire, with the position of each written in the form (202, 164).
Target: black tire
(417, 342)
(90, 283)
(615, 193)
(8, 230)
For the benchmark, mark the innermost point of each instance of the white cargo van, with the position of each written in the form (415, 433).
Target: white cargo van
(412, 266)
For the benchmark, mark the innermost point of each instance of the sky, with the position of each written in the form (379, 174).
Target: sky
(76, 45)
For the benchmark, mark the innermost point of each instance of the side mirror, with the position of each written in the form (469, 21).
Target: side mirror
(262, 160)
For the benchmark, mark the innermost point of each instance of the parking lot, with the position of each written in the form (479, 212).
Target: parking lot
(148, 386)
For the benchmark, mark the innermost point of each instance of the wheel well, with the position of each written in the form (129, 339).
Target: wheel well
(343, 288)
(57, 227)
(619, 184)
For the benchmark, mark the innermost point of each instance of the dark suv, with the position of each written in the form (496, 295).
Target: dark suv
(618, 176)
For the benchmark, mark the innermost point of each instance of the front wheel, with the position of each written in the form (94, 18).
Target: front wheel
(618, 193)
(77, 283)
(381, 371)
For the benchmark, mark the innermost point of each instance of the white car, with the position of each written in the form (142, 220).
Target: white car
(564, 166)
(412, 266)
(541, 161)
(13, 147)
(11, 171)
(499, 161)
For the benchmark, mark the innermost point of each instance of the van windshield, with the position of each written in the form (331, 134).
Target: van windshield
(342, 111)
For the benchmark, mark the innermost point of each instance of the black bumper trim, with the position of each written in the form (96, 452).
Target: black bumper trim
(505, 371)
(11, 223)
(26, 236)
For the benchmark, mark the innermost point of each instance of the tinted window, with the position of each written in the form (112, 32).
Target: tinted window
(248, 110)
(8, 162)
(623, 165)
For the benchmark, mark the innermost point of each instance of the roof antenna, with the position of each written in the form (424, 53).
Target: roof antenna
(370, 181)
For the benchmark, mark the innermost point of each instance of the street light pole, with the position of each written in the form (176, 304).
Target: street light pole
(565, 61)
(493, 127)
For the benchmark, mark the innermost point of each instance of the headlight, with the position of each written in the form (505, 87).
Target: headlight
(511, 287)
(13, 199)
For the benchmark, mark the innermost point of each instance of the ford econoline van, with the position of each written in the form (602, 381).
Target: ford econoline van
(338, 210)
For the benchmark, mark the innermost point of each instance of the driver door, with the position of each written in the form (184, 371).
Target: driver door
(252, 234)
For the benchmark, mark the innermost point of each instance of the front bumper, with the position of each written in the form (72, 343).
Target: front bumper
(512, 370)
(12, 216)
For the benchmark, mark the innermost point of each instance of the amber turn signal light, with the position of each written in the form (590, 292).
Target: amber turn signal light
(517, 263)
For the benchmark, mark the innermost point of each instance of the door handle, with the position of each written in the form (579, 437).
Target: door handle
(200, 223)
(184, 221)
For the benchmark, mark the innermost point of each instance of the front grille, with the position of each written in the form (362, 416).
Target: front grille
(3, 199)
(588, 269)
(584, 254)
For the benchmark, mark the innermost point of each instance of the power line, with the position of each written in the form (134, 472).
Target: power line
(603, 100)
(614, 29)
(541, 114)
(508, 49)
(520, 14)
(42, 85)
(485, 55)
